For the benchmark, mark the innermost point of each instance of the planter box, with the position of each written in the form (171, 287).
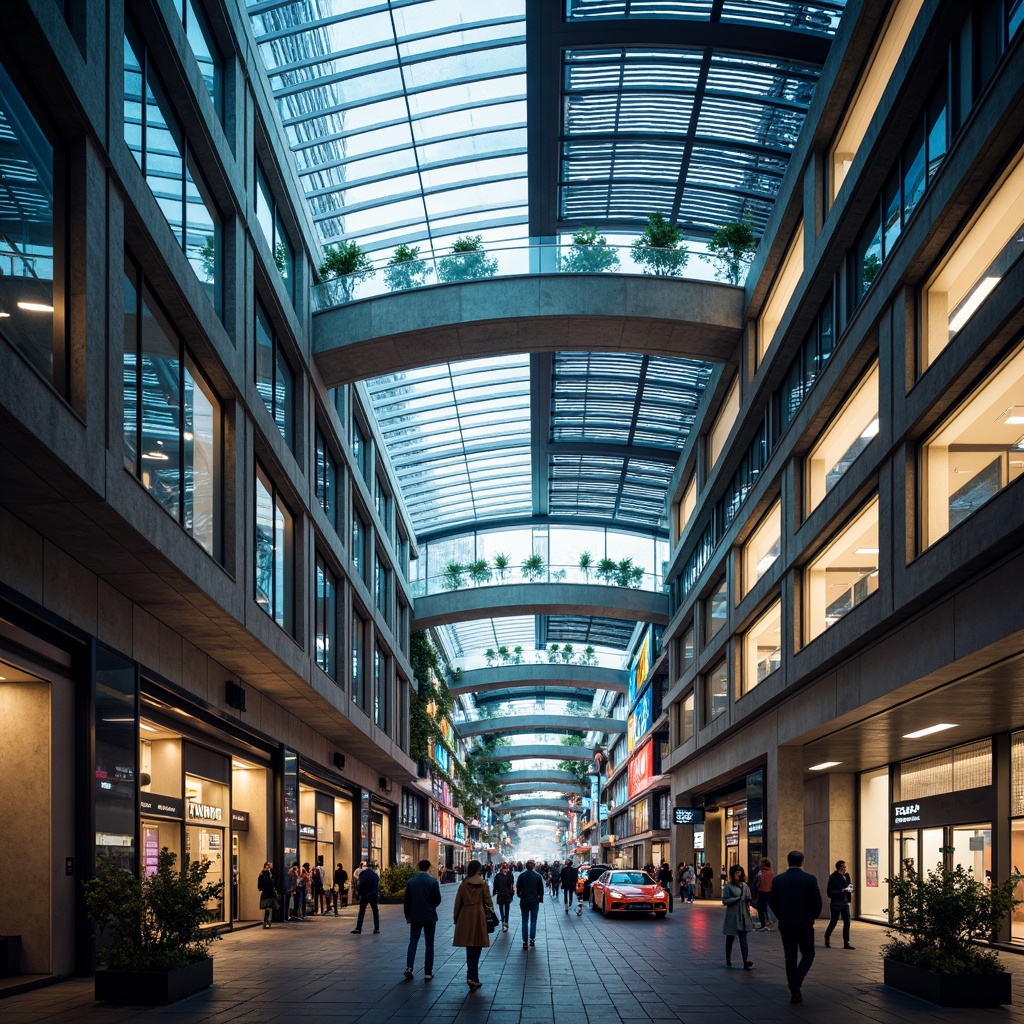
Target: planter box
(391, 900)
(154, 988)
(973, 990)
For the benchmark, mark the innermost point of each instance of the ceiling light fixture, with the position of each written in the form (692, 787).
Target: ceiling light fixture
(35, 307)
(156, 456)
(4, 314)
(866, 551)
(1014, 416)
(148, 728)
(972, 302)
(824, 764)
(871, 429)
(941, 727)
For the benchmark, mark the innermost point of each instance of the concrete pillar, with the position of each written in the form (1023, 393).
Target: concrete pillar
(829, 824)
(784, 796)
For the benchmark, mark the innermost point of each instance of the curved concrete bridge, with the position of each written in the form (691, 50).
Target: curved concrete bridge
(532, 313)
(540, 723)
(531, 676)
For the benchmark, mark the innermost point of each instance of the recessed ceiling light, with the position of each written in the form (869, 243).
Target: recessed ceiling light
(941, 727)
(35, 307)
(973, 301)
(4, 314)
(824, 764)
(1014, 415)
(866, 551)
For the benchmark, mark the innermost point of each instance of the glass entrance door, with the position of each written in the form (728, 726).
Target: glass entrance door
(972, 848)
(206, 845)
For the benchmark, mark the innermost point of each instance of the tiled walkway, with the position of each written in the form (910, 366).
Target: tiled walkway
(584, 970)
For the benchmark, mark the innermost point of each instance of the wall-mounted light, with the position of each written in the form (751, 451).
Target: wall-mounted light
(35, 307)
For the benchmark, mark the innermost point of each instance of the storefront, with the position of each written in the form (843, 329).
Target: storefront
(326, 825)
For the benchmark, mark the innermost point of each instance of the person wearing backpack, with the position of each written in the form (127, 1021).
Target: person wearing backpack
(316, 878)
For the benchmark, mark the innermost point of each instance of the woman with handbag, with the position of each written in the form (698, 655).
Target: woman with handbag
(737, 899)
(472, 906)
(268, 893)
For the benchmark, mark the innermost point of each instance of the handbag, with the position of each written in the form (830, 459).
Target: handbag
(492, 921)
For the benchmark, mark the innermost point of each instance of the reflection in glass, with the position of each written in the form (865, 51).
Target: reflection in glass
(274, 553)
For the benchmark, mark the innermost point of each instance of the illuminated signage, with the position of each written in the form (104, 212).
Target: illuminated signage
(698, 839)
(689, 815)
(641, 769)
(152, 805)
(641, 668)
(640, 719)
(204, 812)
(307, 831)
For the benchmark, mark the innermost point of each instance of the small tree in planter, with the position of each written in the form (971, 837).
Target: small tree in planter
(151, 941)
(405, 269)
(731, 249)
(490, 654)
(341, 262)
(501, 564)
(393, 881)
(660, 249)
(553, 653)
(479, 571)
(937, 921)
(452, 578)
(468, 261)
(590, 254)
(606, 569)
(586, 564)
(533, 568)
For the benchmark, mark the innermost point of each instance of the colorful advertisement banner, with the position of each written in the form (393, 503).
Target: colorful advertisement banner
(640, 719)
(640, 769)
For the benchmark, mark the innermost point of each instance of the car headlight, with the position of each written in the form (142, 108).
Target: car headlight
(659, 895)
(615, 895)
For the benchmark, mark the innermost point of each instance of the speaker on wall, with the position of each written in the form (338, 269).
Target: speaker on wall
(235, 696)
(339, 761)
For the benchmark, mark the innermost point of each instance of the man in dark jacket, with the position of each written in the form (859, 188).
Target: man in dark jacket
(796, 901)
(530, 890)
(422, 898)
(567, 878)
(707, 880)
(838, 889)
(369, 889)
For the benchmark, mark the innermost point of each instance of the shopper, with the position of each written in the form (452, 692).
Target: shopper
(422, 898)
(317, 877)
(472, 902)
(504, 889)
(369, 890)
(530, 890)
(839, 890)
(689, 883)
(707, 881)
(568, 877)
(291, 893)
(762, 890)
(737, 899)
(796, 901)
(305, 881)
(665, 881)
(268, 892)
(340, 887)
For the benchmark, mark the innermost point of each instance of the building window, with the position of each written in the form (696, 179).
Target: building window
(948, 771)
(686, 717)
(382, 501)
(29, 267)
(381, 693)
(275, 554)
(275, 380)
(979, 259)
(782, 291)
(204, 49)
(762, 648)
(716, 690)
(380, 585)
(173, 426)
(687, 506)
(358, 545)
(976, 453)
(723, 423)
(326, 619)
(763, 549)
(161, 150)
(716, 610)
(806, 368)
(359, 446)
(358, 656)
(326, 480)
(684, 650)
(844, 575)
(844, 439)
(269, 220)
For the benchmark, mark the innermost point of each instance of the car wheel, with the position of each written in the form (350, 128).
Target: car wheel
(660, 913)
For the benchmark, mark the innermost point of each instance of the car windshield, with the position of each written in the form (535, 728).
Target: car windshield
(631, 878)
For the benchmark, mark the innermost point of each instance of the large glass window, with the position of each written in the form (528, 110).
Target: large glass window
(269, 220)
(976, 453)
(976, 263)
(763, 549)
(686, 717)
(358, 545)
(29, 194)
(358, 656)
(723, 423)
(326, 480)
(762, 648)
(782, 290)
(172, 418)
(844, 439)
(380, 584)
(687, 506)
(844, 575)
(716, 691)
(275, 554)
(716, 610)
(204, 49)
(158, 144)
(326, 619)
(381, 692)
(359, 446)
(275, 380)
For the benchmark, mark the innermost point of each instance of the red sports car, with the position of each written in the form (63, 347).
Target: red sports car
(628, 892)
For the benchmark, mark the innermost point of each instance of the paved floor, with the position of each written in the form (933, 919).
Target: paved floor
(584, 970)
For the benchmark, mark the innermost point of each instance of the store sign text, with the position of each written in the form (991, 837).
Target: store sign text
(205, 812)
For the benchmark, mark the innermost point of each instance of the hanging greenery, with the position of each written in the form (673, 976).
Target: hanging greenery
(431, 689)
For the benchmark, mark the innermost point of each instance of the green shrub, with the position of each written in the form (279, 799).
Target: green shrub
(393, 880)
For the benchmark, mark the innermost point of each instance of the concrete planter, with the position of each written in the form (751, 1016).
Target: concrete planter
(154, 988)
(971, 990)
(391, 900)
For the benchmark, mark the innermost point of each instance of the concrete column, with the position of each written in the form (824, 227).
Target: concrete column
(829, 824)
(784, 824)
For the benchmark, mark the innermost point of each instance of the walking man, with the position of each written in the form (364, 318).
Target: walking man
(369, 890)
(839, 890)
(665, 881)
(568, 878)
(530, 890)
(795, 900)
(422, 898)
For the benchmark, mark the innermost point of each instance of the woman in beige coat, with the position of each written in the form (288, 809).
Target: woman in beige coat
(472, 902)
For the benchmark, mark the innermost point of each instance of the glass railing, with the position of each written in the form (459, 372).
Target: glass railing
(567, 654)
(509, 262)
(518, 708)
(465, 577)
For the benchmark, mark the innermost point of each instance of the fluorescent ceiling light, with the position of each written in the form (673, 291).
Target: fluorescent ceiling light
(148, 728)
(941, 727)
(4, 314)
(35, 307)
(823, 766)
(866, 551)
(972, 302)
(871, 429)
(1014, 415)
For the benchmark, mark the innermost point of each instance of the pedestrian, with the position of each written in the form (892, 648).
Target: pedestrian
(665, 881)
(355, 876)
(504, 889)
(369, 890)
(737, 899)
(568, 877)
(530, 890)
(472, 902)
(304, 884)
(422, 898)
(291, 893)
(839, 890)
(796, 901)
(317, 877)
(340, 887)
(707, 881)
(762, 890)
(268, 893)
(690, 882)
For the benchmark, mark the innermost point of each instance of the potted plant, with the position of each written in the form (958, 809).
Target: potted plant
(937, 921)
(660, 249)
(589, 655)
(606, 569)
(393, 881)
(405, 269)
(151, 944)
(501, 564)
(590, 253)
(517, 654)
(468, 261)
(586, 564)
(731, 249)
(490, 654)
(452, 578)
(567, 652)
(479, 571)
(553, 653)
(343, 261)
(533, 568)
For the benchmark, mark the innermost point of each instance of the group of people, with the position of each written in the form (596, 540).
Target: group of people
(306, 891)
(691, 882)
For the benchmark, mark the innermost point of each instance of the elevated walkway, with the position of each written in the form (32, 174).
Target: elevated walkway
(540, 723)
(535, 775)
(548, 805)
(533, 752)
(507, 677)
